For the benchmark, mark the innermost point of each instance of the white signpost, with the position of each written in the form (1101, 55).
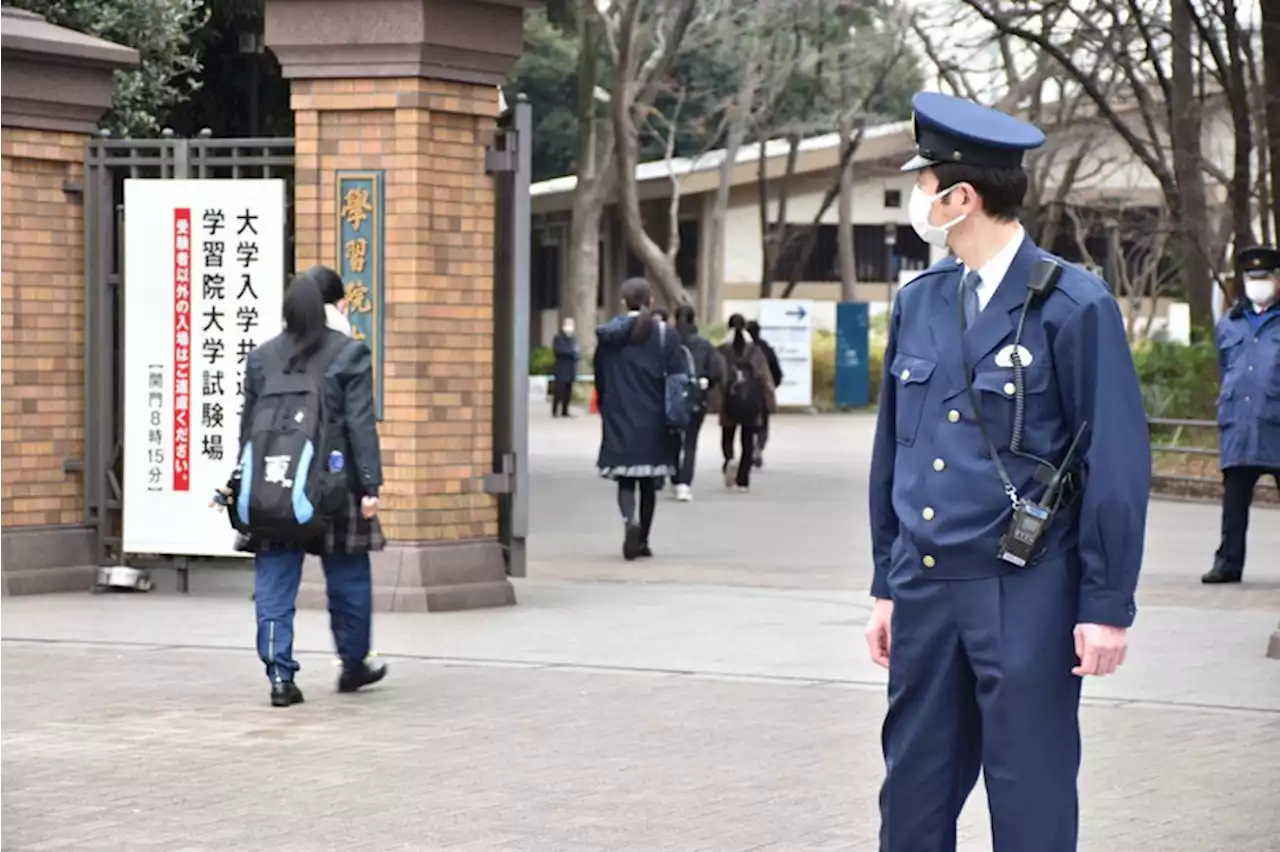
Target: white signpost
(787, 325)
(204, 282)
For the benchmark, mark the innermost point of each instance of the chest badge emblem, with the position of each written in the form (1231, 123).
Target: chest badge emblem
(1004, 358)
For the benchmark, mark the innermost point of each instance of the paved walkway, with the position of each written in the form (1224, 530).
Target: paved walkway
(730, 708)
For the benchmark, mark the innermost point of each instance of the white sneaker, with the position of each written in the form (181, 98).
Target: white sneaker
(684, 493)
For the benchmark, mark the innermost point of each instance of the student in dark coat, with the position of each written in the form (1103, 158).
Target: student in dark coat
(706, 366)
(634, 353)
(314, 312)
(775, 370)
(747, 397)
(567, 352)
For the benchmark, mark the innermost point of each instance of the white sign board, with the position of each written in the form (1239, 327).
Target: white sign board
(204, 282)
(787, 325)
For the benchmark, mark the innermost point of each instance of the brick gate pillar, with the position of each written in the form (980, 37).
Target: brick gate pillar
(394, 104)
(57, 84)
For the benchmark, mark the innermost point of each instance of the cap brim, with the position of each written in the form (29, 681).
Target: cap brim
(917, 163)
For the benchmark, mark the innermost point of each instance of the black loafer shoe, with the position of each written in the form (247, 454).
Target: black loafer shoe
(350, 681)
(285, 693)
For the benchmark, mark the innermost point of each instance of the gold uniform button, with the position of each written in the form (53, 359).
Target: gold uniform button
(929, 561)
(953, 416)
(1009, 388)
(906, 374)
(927, 514)
(939, 465)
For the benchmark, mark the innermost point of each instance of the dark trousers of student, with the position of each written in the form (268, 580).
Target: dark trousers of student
(1237, 496)
(687, 454)
(349, 587)
(762, 435)
(561, 393)
(648, 488)
(747, 458)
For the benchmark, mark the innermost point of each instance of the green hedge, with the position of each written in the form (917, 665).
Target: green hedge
(1178, 381)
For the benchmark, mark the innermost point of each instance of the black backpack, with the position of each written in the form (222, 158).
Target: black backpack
(292, 480)
(744, 395)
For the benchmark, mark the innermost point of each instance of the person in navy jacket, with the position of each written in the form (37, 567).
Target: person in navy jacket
(565, 370)
(985, 658)
(634, 354)
(1249, 406)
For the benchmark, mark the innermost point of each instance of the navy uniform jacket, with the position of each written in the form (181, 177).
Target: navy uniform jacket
(1249, 406)
(938, 507)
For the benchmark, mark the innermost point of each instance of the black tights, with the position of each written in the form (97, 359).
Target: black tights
(627, 486)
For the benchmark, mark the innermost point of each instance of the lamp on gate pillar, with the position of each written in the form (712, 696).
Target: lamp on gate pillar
(251, 46)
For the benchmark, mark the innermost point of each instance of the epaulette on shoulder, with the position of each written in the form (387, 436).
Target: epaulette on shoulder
(947, 264)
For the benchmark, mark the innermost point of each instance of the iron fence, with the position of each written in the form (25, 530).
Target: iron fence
(108, 164)
(1180, 425)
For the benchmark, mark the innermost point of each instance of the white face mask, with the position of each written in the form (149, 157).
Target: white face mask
(1260, 291)
(918, 210)
(567, 328)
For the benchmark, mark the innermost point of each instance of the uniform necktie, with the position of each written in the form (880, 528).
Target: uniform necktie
(969, 292)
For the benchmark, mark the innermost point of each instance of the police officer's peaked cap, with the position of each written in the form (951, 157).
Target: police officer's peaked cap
(1258, 259)
(947, 129)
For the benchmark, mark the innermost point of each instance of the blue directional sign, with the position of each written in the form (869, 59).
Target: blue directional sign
(853, 385)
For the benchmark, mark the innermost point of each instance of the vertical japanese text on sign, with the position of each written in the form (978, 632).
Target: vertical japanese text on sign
(181, 348)
(213, 293)
(360, 258)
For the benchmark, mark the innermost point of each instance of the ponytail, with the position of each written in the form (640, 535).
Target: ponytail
(740, 339)
(304, 319)
(637, 295)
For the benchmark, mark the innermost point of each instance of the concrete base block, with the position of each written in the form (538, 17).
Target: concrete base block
(1273, 648)
(426, 577)
(44, 560)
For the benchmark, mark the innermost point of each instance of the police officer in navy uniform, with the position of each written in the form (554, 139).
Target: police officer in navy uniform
(1249, 405)
(985, 658)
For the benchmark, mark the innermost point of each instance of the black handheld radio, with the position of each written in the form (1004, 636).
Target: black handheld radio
(1030, 519)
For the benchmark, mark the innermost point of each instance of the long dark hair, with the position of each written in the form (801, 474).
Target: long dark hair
(637, 295)
(304, 320)
(739, 326)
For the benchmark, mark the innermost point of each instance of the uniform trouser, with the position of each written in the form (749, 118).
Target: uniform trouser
(687, 455)
(276, 575)
(980, 678)
(561, 394)
(1237, 496)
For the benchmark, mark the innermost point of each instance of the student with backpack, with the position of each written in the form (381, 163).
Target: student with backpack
(308, 479)
(705, 369)
(747, 397)
(775, 370)
(642, 385)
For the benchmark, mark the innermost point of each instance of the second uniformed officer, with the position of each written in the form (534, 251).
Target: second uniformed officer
(1249, 405)
(995, 590)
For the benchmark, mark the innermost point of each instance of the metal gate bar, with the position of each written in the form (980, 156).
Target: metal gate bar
(108, 163)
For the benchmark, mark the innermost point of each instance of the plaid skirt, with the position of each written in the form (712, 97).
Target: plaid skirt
(349, 532)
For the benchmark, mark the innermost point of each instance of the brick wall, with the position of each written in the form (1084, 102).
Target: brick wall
(42, 336)
(429, 137)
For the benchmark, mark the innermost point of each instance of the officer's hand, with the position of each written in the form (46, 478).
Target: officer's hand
(1100, 647)
(368, 507)
(879, 636)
